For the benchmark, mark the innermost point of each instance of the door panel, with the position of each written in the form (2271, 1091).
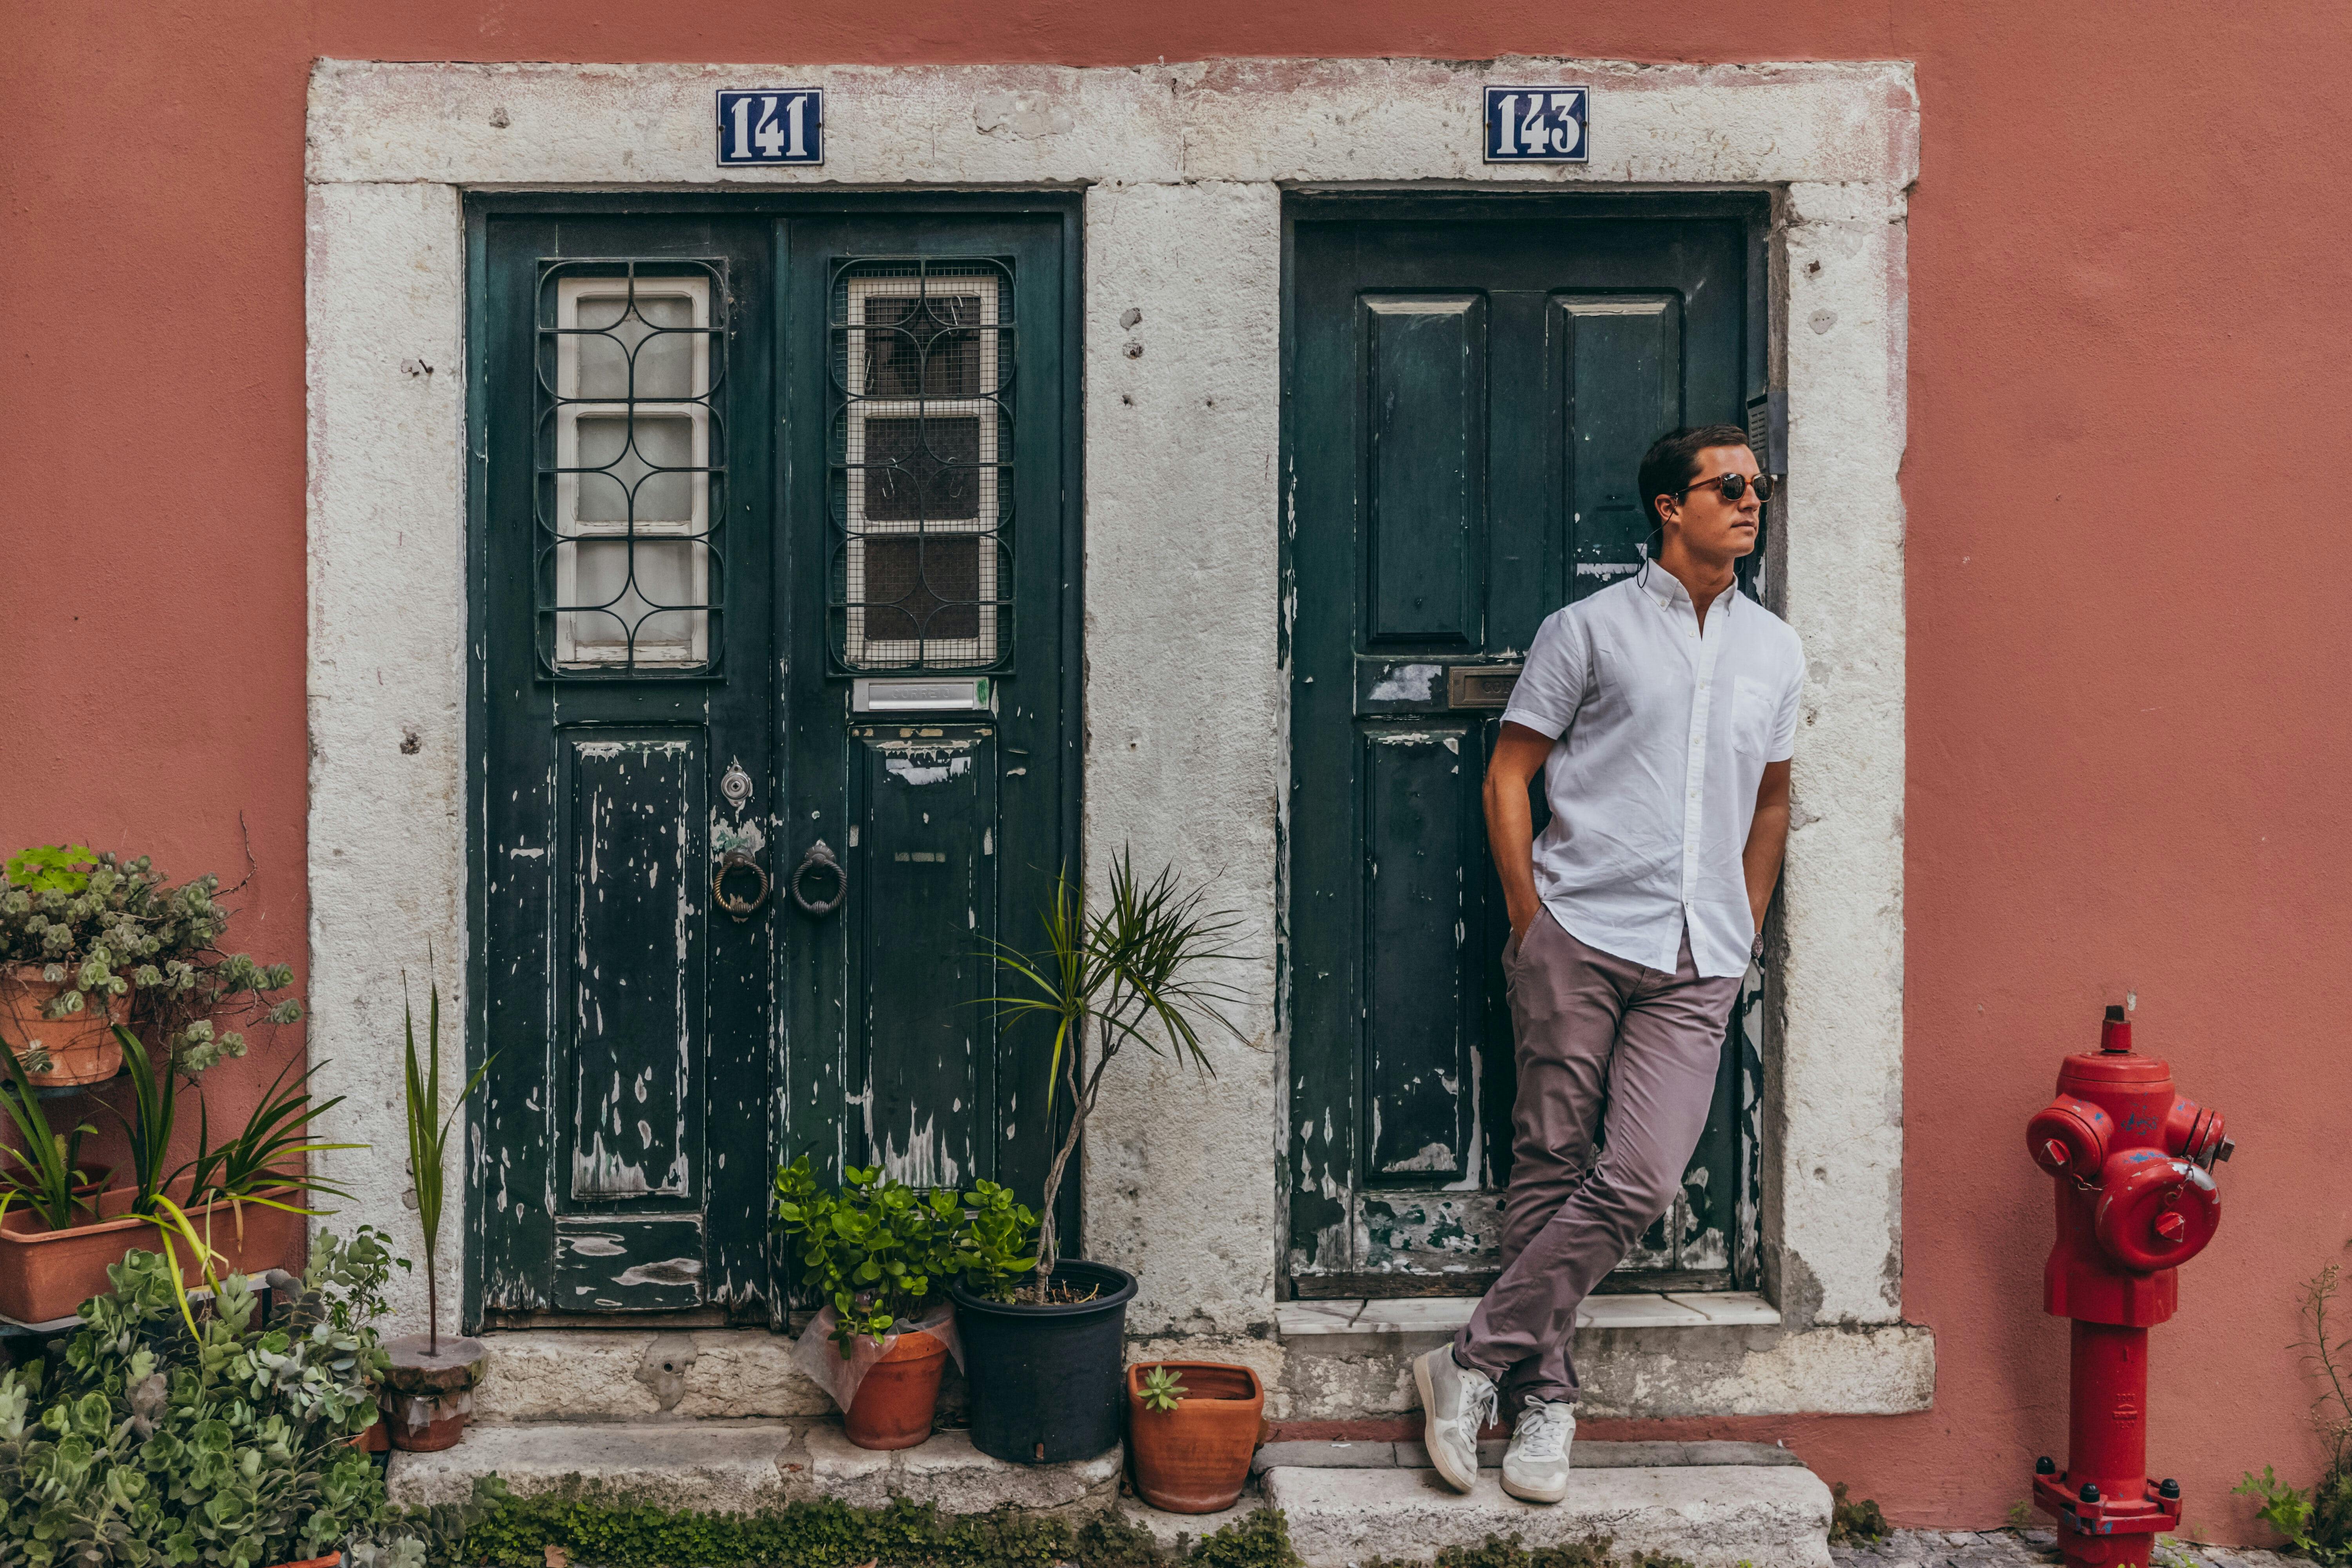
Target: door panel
(633, 842)
(1469, 397)
(735, 461)
(1427, 440)
(1420, 816)
(927, 814)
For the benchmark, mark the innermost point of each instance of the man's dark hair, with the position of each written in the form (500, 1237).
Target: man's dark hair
(1671, 463)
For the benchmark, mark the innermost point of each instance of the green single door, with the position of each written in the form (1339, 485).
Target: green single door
(771, 632)
(1469, 389)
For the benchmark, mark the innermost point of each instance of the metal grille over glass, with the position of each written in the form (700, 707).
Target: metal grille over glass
(631, 464)
(921, 470)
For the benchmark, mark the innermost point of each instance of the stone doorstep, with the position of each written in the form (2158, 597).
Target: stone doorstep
(1443, 1314)
(1716, 1515)
(1584, 1454)
(1344, 1502)
(745, 1467)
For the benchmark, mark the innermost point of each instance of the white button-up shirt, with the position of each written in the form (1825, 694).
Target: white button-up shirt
(1662, 734)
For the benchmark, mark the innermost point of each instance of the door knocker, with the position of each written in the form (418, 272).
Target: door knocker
(732, 861)
(820, 858)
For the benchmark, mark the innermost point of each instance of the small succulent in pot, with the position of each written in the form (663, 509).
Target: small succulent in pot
(1161, 1389)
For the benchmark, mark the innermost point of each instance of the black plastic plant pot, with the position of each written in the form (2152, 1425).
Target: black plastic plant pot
(1048, 1383)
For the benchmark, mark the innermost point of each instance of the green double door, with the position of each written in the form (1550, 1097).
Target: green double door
(773, 647)
(1469, 388)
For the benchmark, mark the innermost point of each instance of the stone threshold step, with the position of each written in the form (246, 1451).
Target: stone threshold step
(1716, 1516)
(1444, 1315)
(745, 1467)
(1584, 1454)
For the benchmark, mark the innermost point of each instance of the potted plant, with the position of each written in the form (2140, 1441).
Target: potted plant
(1044, 1359)
(242, 1194)
(349, 1279)
(428, 1388)
(223, 1440)
(879, 1255)
(88, 938)
(55, 1245)
(1192, 1427)
(57, 980)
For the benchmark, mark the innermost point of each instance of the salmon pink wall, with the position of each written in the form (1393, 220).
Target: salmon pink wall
(2127, 721)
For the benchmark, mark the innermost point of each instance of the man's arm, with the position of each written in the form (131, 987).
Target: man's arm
(1519, 755)
(1768, 836)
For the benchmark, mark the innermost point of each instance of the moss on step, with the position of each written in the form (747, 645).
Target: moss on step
(593, 1530)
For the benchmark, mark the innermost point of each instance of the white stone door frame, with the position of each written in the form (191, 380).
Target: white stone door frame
(1184, 168)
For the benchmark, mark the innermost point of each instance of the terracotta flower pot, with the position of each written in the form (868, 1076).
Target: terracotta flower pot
(45, 1274)
(328, 1560)
(372, 1439)
(428, 1397)
(253, 1238)
(1194, 1458)
(894, 1404)
(82, 1045)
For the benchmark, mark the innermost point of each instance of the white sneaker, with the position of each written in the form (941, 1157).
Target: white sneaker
(1535, 1466)
(1455, 1402)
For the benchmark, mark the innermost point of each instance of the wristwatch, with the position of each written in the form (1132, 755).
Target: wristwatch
(1756, 948)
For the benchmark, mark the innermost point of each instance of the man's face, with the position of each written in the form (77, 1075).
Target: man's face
(1710, 525)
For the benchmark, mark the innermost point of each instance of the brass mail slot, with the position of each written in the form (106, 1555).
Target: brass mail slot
(1480, 684)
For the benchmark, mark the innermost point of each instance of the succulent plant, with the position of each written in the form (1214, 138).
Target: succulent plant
(107, 928)
(140, 1443)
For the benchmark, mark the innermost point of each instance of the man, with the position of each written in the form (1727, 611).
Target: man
(1662, 712)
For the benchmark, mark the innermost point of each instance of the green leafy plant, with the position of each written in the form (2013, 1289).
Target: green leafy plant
(154, 1111)
(46, 1166)
(877, 1250)
(1501, 1551)
(268, 1153)
(997, 1244)
(64, 867)
(2318, 1522)
(428, 1140)
(1852, 1523)
(139, 1444)
(349, 1277)
(1126, 975)
(585, 1524)
(1162, 1390)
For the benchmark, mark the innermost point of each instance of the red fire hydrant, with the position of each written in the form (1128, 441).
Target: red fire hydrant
(2135, 1200)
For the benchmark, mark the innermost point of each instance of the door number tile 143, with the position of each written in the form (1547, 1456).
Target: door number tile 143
(1536, 124)
(771, 125)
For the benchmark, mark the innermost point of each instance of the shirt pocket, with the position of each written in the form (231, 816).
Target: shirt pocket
(1754, 711)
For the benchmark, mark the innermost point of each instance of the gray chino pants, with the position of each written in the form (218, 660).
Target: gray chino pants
(1589, 1027)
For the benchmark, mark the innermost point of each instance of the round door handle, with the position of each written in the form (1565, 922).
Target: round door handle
(732, 861)
(820, 858)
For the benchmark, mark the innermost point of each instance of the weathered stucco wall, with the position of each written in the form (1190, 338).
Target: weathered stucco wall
(2123, 724)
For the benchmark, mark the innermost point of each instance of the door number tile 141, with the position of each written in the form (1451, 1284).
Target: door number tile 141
(1536, 124)
(771, 125)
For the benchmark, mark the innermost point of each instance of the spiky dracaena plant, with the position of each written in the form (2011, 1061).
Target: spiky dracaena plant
(429, 1138)
(1129, 974)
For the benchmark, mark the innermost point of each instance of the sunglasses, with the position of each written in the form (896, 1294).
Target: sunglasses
(1731, 487)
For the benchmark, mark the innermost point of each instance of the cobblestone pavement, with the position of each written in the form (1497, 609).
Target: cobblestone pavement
(2029, 1548)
